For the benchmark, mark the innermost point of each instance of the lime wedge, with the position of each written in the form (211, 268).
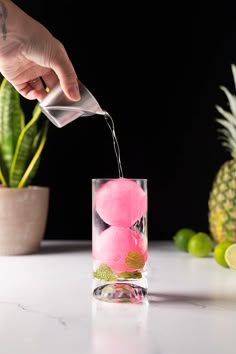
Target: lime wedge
(230, 256)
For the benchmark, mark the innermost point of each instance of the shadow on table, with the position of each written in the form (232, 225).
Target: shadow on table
(200, 300)
(67, 247)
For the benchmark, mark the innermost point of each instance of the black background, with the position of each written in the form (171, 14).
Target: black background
(157, 72)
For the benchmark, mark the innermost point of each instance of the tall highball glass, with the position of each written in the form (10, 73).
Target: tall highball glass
(120, 239)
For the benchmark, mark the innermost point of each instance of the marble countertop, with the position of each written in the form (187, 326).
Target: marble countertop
(46, 305)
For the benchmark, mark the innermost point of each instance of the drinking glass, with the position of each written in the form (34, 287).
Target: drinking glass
(119, 239)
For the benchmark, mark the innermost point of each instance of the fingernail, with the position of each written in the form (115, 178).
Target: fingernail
(74, 92)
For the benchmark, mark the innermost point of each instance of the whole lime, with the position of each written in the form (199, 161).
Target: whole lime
(182, 237)
(200, 244)
(219, 252)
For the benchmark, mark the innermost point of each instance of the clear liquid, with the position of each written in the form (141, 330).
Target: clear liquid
(111, 126)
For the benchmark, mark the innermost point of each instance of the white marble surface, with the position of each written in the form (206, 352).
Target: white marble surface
(46, 305)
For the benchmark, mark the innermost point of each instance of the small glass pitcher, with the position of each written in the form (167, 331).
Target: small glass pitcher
(60, 110)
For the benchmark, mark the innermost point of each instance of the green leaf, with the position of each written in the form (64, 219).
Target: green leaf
(24, 151)
(11, 122)
(3, 171)
(130, 275)
(2, 178)
(135, 260)
(20, 145)
(38, 146)
(104, 272)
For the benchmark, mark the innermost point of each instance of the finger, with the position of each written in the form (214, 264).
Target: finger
(36, 83)
(50, 79)
(33, 90)
(67, 76)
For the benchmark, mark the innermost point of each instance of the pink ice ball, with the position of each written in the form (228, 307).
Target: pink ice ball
(111, 247)
(121, 202)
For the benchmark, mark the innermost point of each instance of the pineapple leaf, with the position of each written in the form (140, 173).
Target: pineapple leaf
(229, 144)
(227, 141)
(230, 129)
(233, 68)
(227, 115)
(231, 99)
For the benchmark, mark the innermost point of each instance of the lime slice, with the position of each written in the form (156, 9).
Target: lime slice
(230, 256)
(182, 237)
(200, 244)
(219, 252)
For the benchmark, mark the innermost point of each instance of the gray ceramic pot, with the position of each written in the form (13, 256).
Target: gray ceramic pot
(23, 219)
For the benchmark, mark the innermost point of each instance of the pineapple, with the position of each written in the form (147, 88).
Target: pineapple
(222, 198)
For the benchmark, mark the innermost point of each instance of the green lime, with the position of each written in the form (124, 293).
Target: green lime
(219, 252)
(200, 244)
(230, 256)
(182, 237)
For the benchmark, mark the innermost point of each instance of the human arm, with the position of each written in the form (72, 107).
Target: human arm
(31, 58)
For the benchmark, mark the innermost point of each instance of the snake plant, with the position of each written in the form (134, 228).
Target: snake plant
(21, 141)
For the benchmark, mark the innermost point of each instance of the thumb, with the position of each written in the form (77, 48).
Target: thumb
(70, 86)
(67, 77)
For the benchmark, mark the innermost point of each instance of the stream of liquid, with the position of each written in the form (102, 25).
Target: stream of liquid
(111, 126)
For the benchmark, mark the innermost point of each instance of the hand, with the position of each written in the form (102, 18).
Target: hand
(31, 58)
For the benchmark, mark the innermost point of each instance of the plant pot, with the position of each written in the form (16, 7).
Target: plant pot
(23, 219)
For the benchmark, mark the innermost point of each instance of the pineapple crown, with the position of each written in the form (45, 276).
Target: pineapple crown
(228, 120)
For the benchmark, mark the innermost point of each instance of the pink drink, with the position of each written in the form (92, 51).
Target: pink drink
(119, 242)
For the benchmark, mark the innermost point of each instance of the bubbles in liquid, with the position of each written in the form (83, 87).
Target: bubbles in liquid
(111, 126)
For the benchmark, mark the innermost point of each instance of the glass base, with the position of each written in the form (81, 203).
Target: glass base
(120, 292)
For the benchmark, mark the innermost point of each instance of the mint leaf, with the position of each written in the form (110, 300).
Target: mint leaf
(130, 275)
(135, 260)
(104, 272)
